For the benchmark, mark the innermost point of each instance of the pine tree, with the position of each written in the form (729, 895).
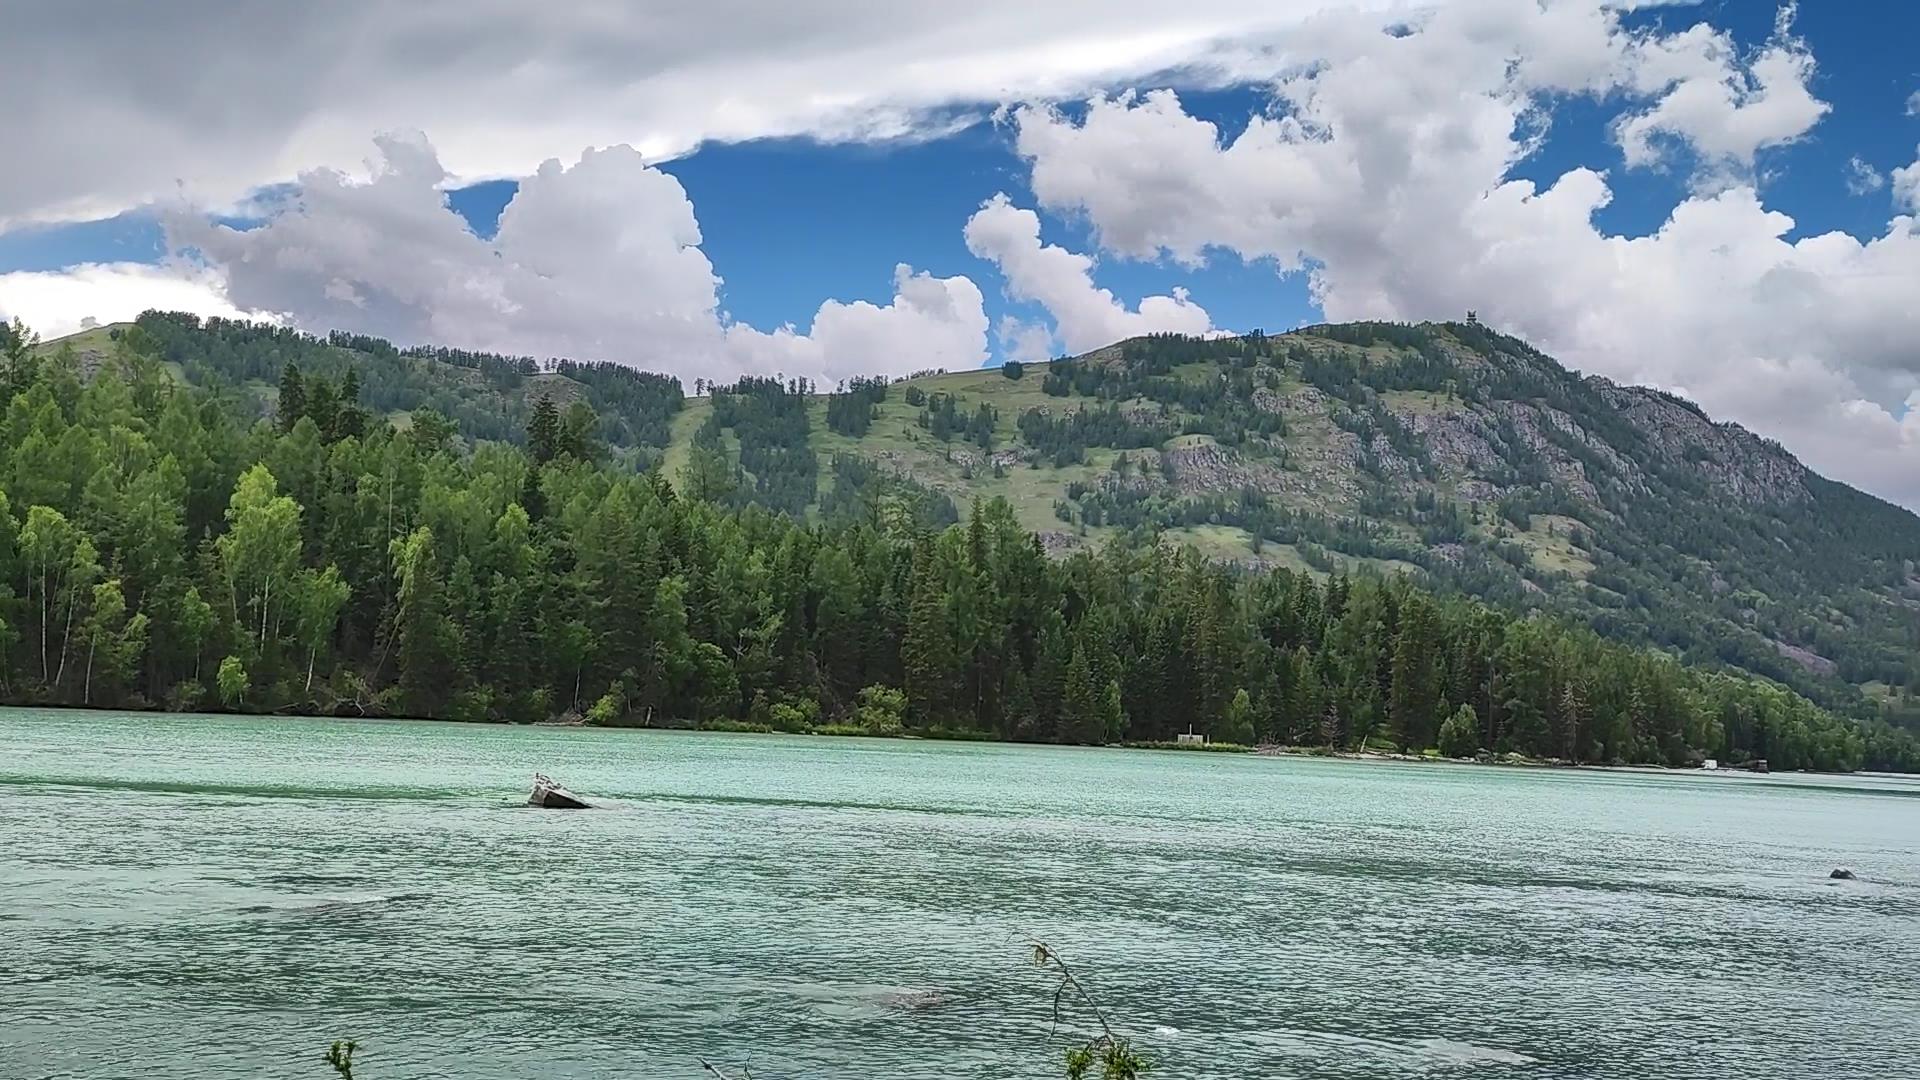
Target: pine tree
(1414, 693)
(1052, 656)
(1080, 710)
(1020, 720)
(1154, 682)
(293, 398)
(929, 654)
(543, 431)
(350, 421)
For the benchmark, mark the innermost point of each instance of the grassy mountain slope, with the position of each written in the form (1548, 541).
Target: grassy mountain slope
(1447, 450)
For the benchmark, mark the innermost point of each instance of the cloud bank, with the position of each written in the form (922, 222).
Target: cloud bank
(276, 89)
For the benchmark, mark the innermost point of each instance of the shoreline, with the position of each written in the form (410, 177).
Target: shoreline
(1377, 757)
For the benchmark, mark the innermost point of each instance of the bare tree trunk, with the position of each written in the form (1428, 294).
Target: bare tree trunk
(66, 641)
(311, 650)
(46, 616)
(266, 596)
(86, 693)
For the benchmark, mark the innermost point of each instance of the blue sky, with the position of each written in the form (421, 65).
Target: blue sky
(819, 148)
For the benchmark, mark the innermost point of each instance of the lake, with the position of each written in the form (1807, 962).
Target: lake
(222, 897)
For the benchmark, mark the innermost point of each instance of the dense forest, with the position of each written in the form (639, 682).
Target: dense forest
(163, 544)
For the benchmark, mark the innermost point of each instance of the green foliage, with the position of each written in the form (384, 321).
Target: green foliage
(1013, 369)
(1460, 735)
(882, 711)
(340, 1057)
(610, 707)
(1236, 726)
(232, 680)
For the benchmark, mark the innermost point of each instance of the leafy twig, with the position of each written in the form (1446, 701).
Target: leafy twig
(1117, 1058)
(340, 1056)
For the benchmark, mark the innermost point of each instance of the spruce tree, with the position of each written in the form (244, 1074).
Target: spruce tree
(543, 431)
(1080, 718)
(293, 398)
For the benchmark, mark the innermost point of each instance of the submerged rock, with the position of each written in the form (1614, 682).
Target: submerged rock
(1842, 874)
(913, 1000)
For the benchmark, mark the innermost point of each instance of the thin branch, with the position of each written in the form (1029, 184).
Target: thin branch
(719, 1074)
(1045, 956)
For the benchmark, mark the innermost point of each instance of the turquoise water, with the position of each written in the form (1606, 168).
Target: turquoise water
(221, 897)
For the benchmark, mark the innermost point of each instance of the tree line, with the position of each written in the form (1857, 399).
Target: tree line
(160, 548)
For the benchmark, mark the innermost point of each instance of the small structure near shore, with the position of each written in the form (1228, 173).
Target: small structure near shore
(549, 795)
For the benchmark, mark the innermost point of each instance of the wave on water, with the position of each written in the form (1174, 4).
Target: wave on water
(335, 905)
(1428, 1054)
(1451, 1053)
(834, 804)
(856, 1001)
(58, 785)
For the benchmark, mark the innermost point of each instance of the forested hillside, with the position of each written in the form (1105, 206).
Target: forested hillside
(164, 544)
(1447, 451)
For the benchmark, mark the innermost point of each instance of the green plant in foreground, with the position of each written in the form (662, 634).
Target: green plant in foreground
(1115, 1056)
(340, 1056)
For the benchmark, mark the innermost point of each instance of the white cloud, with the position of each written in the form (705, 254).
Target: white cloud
(59, 302)
(1386, 174)
(1913, 104)
(1906, 185)
(1023, 340)
(597, 260)
(1086, 317)
(109, 120)
(1863, 178)
(930, 323)
(1727, 111)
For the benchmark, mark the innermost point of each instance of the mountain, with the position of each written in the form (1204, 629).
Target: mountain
(1447, 450)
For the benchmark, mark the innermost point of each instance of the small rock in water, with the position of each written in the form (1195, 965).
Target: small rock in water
(913, 1000)
(1842, 874)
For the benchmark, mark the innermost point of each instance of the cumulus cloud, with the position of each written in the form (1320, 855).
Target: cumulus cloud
(1707, 99)
(1863, 178)
(595, 260)
(930, 323)
(1086, 316)
(275, 88)
(1913, 104)
(56, 303)
(1385, 173)
(1906, 185)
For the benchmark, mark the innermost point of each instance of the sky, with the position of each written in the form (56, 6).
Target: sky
(1715, 198)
